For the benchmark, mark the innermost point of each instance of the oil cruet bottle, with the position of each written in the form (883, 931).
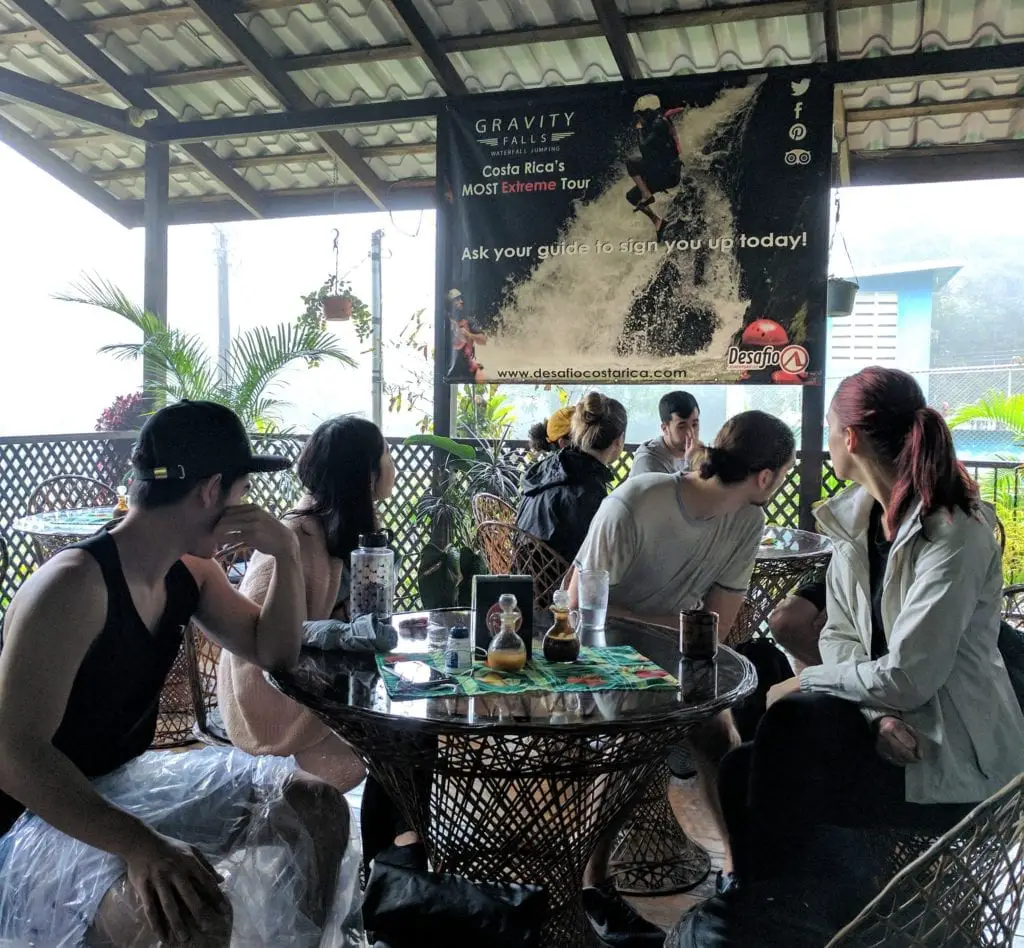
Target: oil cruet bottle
(507, 652)
(561, 644)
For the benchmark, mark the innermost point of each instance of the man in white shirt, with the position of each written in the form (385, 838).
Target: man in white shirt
(679, 447)
(685, 541)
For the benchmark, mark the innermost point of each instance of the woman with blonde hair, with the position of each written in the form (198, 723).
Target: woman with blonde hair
(561, 492)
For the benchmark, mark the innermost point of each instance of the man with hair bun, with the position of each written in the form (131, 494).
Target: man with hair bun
(673, 542)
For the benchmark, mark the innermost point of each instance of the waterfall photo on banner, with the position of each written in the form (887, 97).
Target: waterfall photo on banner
(679, 232)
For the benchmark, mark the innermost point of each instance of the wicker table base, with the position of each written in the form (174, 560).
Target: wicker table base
(652, 854)
(516, 807)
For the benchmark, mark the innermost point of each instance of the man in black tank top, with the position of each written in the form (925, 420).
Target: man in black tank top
(88, 643)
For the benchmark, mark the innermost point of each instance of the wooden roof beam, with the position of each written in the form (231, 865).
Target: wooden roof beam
(886, 113)
(65, 173)
(613, 28)
(300, 203)
(832, 30)
(269, 161)
(92, 58)
(938, 163)
(426, 45)
(16, 87)
(446, 46)
(268, 71)
(138, 19)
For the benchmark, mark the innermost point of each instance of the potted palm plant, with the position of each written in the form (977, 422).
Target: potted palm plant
(449, 561)
(178, 364)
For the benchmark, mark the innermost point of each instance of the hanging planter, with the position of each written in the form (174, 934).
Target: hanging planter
(840, 296)
(840, 293)
(337, 308)
(334, 302)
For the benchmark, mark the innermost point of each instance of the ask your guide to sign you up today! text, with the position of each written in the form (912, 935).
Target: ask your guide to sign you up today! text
(596, 234)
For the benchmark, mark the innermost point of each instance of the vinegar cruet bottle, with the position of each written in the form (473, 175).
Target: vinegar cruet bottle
(507, 651)
(561, 644)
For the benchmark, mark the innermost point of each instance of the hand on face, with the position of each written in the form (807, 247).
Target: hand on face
(694, 448)
(252, 526)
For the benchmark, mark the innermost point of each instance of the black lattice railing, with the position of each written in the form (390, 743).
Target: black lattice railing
(27, 461)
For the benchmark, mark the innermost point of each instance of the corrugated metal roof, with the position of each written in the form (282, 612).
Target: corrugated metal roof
(163, 40)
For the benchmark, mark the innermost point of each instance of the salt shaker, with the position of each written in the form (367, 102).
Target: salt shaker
(373, 578)
(458, 656)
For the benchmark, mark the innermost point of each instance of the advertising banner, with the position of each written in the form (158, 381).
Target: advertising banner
(598, 235)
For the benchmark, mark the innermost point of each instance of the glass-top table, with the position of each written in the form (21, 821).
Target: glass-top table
(80, 522)
(518, 787)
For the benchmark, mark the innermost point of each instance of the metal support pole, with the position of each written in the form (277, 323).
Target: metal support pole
(155, 218)
(223, 304)
(442, 351)
(377, 336)
(812, 457)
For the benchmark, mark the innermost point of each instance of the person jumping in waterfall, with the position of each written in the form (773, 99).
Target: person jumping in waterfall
(465, 339)
(657, 164)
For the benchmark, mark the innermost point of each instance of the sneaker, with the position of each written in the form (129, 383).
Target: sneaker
(725, 882)
(615, 922)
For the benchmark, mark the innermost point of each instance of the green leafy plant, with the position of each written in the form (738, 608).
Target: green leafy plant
(448, 561)
(179, 366)
(1005, 410)
(410, 391)
(484, 411)
(314, 316)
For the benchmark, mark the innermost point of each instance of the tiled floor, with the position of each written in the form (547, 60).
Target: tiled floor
(694, 819)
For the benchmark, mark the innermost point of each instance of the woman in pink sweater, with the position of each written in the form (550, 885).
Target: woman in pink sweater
(345, 469)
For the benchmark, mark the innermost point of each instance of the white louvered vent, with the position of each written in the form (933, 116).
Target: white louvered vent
(868, 337)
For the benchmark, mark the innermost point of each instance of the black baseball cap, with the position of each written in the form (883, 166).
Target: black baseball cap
(193, 440)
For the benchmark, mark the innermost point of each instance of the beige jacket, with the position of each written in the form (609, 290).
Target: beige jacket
(943, 674)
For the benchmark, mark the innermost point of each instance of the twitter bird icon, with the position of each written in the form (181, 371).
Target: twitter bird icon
(799, 88)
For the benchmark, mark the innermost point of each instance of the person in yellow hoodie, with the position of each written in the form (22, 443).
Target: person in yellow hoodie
(552, 434)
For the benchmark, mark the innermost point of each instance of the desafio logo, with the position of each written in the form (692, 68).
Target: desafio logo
(767, 357)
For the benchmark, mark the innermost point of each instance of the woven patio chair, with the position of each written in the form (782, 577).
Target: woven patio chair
(208, 727)
(966, 890)
(66, 492)
(487, 507)
(508, 549)
(188, 702)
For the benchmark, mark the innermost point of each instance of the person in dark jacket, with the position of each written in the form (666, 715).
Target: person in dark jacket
(562, 492)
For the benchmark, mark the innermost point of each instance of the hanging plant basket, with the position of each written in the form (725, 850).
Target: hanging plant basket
(337, 308)
(840, 297)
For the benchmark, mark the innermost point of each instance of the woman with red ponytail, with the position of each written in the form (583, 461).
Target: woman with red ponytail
(911, 719)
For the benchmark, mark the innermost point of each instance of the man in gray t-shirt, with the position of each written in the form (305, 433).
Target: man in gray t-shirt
(682, 541)
(679, 448)
(662, 557)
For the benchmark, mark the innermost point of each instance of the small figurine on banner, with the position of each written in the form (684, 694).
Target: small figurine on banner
(373, 578)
